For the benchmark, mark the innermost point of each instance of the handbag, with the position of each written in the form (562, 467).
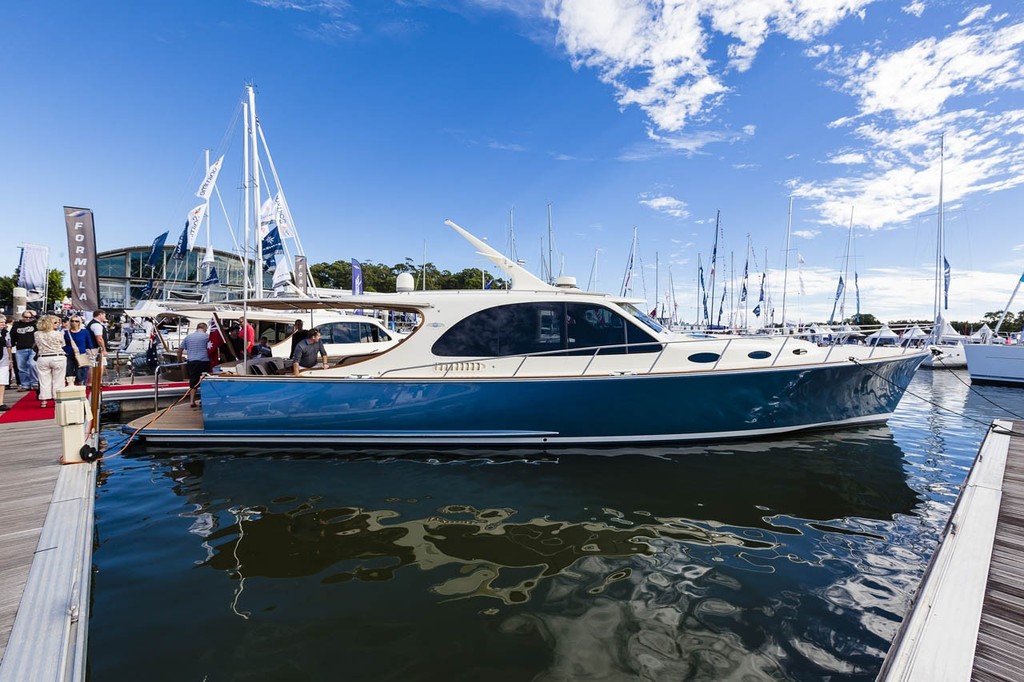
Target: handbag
(83, 360)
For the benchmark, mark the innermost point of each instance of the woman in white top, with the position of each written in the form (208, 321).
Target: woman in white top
(52, 361)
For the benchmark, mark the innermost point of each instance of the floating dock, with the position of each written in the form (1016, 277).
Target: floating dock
(967, 619)
(45, 554)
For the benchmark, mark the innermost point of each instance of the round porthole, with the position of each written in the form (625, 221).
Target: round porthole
(704, 357)
(799, 351)
(759, 355)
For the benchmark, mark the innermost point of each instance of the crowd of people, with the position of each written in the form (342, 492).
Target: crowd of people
(44, 353)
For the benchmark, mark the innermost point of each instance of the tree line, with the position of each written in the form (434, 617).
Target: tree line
(380, 278)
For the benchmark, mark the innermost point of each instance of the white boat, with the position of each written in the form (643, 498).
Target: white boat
(999, 361)
(552, 365)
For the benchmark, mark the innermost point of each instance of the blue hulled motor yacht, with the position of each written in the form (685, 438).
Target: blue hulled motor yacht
(550, 365)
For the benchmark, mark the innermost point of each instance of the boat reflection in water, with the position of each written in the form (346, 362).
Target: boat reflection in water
(771, 559)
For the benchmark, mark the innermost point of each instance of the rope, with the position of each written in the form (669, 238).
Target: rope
(987, 425)
(157, 415)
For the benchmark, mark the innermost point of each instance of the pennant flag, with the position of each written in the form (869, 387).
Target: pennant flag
(945, 277)
(271, 243)
(269, 262)
(283, 217)
(282, 275)
(194, 222)
(761, 298)
(357, 277)
(182, 247)
(743, 292)
(211, 278)
(147, 290)
(721, 307)
(757, 310)
(157, 250)
(839, 292)
(209, 182)
(32, 269)
(856, 288)
(267, 213)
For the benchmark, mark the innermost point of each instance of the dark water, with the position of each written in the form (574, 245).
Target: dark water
(786, 559)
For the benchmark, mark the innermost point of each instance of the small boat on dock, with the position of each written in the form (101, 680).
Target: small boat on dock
(548, 365)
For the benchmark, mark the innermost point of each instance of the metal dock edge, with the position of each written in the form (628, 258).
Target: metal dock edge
(49, 638)
(939, 638)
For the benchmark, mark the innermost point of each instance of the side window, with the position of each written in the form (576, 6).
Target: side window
(537, 327)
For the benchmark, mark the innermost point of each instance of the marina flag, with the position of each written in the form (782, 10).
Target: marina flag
(182, 247)
(839, 293)
(85, 290)
(721, 307)
(157, 250)
(856, 288)
(357, 277)
(267, 216)
(147, 290)
(194, 222)
(32, 270)
(283, 217)
(211, 278)
(945, 278)
(757, 310)
(282, 275)
(271, 244)
(210, 180)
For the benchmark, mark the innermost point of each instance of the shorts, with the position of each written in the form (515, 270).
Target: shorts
(196, 370)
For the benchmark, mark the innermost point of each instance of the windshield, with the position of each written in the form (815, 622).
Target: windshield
(643, 317)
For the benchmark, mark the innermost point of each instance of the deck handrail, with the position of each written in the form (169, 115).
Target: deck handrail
(156, 381)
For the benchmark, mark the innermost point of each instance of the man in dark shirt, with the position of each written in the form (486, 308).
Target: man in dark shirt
(298, 335)
(23, 337)
(306, 352)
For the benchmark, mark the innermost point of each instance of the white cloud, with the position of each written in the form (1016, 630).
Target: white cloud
(915, 8)
(806, 234)
(848, 158)
(329, 17)
(667, 205)
(907, 100)
(976, 14)
(660, 55)
(506, 146)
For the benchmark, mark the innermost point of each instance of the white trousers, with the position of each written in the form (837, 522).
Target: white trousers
(51, 375)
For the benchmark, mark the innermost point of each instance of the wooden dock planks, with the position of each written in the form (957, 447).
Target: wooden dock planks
(999, 653)
(45, 554)
(28, 475)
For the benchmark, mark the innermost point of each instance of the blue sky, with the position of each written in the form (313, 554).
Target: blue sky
(385, 118)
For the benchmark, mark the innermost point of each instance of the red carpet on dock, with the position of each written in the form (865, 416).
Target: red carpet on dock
(27, 409)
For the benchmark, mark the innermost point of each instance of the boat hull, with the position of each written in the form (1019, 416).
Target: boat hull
(691, 406)
(995, 364)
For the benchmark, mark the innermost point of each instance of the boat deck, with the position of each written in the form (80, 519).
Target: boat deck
(967, 619)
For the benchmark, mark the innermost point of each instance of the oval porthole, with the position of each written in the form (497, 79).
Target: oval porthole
(704, 357)
(759, 355)
(799, 351)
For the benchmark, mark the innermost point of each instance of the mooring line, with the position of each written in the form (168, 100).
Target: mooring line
(987, 425)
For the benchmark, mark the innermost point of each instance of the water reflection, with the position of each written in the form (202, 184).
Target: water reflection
(765, 560)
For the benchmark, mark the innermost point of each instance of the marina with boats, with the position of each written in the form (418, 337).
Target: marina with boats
(533, 479)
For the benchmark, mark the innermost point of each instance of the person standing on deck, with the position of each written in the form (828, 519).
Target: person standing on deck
(5, 360)
(52, 362)
(98, 327)
(23, 338)
(298, 335)
(195, 349)
(81, 342)
(306, 351)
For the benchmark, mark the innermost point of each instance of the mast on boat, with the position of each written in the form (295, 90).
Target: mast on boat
(940, 247)
(785, 272)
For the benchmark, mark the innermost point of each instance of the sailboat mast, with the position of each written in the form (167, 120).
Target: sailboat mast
(246, 204)
(785, 272)
(255, 190)
(846, 267)
(940, 245)
(657, 266)
(551, 272)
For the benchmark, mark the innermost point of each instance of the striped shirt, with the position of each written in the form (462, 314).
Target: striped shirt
(194, 346)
